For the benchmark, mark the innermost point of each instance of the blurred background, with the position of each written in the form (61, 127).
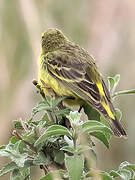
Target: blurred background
(105, 28)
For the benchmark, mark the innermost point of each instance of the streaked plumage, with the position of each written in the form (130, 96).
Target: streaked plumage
(70, 71)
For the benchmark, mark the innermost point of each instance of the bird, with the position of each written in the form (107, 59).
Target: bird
(66, 69)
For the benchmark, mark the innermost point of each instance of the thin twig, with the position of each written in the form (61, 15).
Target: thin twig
(50, 114)
(45, 169)
(35, 82)
(23, 125)
(15, 133)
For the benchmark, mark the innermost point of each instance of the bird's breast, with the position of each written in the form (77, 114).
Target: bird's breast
(47, 81)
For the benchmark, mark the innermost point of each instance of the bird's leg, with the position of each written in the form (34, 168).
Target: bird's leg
(80, 108)
(70, 97)
(66, 122)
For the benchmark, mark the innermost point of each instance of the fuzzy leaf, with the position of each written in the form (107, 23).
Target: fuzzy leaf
(98, 174)
(106, 176)
(17, 124)
(125, 92)
(62, 112)
(91, 113)
(58, 174)
(12, 151)
(75, 165)
(94, 126)
(16, 175)
(74, 118)
(114, 173)
(53, 130)
(118, 114)
(125, 174)
(126, 164)
(30, 136)
(21, 174)
(14, 139)
(40, 107)
(99, 135)
(41, 159)
(59, 157)
(57, 100)
(68, 149)
(7, 168)
(113, 83)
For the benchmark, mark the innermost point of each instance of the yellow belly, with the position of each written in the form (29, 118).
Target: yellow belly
(57, 87)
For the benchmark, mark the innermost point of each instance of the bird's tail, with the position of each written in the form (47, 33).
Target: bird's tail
(117, 128)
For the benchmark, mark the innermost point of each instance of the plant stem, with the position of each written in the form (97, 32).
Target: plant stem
(15, 133)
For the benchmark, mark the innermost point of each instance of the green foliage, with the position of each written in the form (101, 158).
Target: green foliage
(126, 171)
(61, 138)
(113, 83)
(75, 166)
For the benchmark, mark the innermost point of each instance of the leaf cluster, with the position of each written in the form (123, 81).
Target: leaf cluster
(61, 142)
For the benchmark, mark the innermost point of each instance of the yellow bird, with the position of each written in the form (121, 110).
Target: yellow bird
(70, 71)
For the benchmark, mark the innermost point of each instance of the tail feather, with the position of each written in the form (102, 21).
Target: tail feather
(117, 128)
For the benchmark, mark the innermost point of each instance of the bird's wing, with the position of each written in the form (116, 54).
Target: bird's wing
(75, 75)
(78, 77)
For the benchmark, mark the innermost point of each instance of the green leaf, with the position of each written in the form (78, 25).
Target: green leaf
(91, 113)
(75, 165)
(25, 172)
(21, 174)
(118, 114)
(19, 159)
(113, 83)
(125, 92)
(17, 124)
(30, 136)
(68, 149)
(101, 174)
(7, 168)
(62, 112)
(69, 141)
(84, 148)
(2, 147)
(12, 151)
(114, 174)
(53, 131)
(57, 100)
(92, 126)
(59, 157)
(88, 174)
(125, 174)
(16, 175)
(14, 139)
(127, 165)
(48, 99)
(41, 159)
(99, 135)
(40, 107)
(74, 118)
(106, 176)
(104, 121)
(58, 174)
(28, 162)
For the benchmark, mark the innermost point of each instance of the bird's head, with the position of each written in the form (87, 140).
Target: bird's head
(52, 39)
